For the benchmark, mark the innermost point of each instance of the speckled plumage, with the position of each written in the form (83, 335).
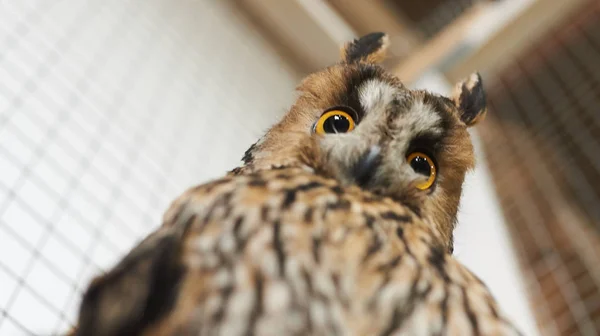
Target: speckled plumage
(294, 243)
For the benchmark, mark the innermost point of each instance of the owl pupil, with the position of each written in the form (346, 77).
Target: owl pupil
(421, 165)
(336, 124)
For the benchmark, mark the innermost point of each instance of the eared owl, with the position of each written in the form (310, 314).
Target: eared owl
(339, 222)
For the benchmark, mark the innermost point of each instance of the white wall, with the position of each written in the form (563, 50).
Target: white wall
(108, 110)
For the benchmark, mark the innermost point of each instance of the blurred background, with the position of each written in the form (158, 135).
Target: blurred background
(111, 108)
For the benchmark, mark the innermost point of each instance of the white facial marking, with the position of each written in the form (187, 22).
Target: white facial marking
(423, 117)
(375, 94)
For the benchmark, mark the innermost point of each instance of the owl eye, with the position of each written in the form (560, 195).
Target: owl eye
(421, 163)
(335, 121)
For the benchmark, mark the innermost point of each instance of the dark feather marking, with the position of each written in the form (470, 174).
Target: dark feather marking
(400, 235)
(393, 111)
(400, 232)
(249, 154)
(244, 240)
(278, 245)
(289, 198)
(307, 280)
(437, 258)
(336, 280)
(411, 202)
(395, 217)
(291, 194)
(309, 186)
(237, 228)
(398, 317)
(373, 300)
(163, 290)
(362, 47)
(264, 213)
(470, 313)
(237, 171)
(415, 283)
(402, 312)
(413, 207)
(316, 244)
(336, 283)
(369, 221)
(308, 214)
(220, 313)
(375, 246)
(337, 190)
(258, 303)
(445, 307)
(386, 268)
(309, 289)
(257, 182)
(166, 274)
(390, 265)
(425, 292)
(430, 142)
(341, 204)
(224, 201)
(227, 205)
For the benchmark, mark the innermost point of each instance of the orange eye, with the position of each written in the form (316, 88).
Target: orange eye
(334, 121)
(422, 164)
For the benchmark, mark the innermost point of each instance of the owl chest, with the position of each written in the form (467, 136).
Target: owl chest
(307, 255)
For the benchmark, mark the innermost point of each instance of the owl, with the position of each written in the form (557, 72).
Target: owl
(339, 222)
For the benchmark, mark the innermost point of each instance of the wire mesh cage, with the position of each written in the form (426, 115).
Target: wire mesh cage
(432, 16)
(108, 110)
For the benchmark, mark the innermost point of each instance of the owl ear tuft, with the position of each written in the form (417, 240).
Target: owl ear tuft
(371, 48)
(469, 98)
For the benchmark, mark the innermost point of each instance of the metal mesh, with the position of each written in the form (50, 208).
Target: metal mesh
(108, 110)
(442, 15)
(431, 16)
(542, 142)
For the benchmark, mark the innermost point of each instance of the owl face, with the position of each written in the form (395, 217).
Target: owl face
(360, 125)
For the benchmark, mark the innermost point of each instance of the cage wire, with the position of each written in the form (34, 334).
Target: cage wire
(108, 110)
(542, 140)
(442, 15)
(430, 17)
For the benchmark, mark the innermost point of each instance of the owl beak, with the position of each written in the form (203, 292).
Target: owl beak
(365, 167)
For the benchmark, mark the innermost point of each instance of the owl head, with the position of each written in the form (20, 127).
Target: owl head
(358, 124)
